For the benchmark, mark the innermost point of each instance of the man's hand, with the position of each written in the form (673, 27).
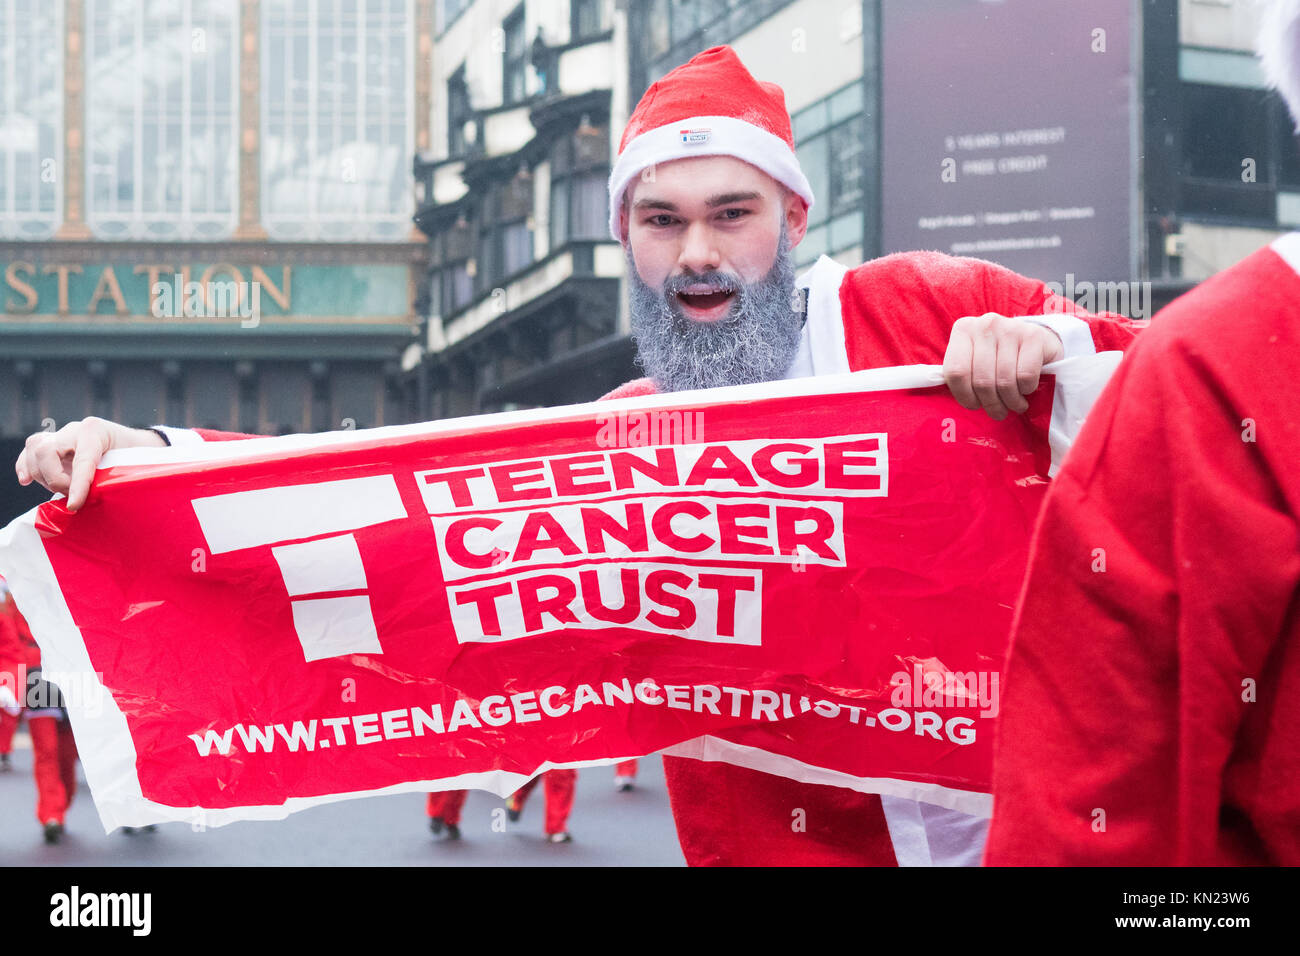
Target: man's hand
(994, 361)
(64, 461)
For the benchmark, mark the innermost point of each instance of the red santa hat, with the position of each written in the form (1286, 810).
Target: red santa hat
(709, 106)
(1279, 51)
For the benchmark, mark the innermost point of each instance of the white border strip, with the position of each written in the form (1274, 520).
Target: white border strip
(1288, 248)
(874, 380)
(1079, 382)
(717, 750)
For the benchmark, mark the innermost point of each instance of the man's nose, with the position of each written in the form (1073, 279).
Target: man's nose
(699, 251)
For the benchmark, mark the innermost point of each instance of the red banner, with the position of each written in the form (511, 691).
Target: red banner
(813, 578)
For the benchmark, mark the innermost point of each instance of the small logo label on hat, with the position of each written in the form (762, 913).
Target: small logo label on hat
(696, 137)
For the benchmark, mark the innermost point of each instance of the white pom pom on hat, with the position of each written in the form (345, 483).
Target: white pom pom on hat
(708, 106)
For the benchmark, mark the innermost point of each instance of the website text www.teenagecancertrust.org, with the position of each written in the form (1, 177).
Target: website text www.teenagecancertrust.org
(498, 710)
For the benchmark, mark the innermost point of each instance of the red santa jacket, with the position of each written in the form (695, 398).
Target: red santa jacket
(1148, 714)
(897, 310)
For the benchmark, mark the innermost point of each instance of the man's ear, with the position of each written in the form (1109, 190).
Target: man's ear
(795, 211)
(623, 224)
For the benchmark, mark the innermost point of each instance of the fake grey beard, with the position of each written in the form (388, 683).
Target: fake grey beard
(755, 343)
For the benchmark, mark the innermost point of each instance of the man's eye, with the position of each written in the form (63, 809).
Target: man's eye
(663, 219)
(734, 214)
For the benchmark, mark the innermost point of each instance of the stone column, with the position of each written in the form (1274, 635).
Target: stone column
(250, 122)
(423, 86)
(74, 123)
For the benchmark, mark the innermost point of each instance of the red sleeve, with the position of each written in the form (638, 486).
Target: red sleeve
(633, 389)
(900, 309)
(1161, 573)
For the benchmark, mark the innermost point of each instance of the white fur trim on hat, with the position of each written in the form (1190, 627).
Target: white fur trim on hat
(705, 136)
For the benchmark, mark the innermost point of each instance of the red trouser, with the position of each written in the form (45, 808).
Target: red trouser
(446, 804)
(625, 769)
(8, 724)
(55, 757)
(559, 797)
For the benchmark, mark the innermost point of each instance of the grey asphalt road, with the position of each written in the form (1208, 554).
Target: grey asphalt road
(609, 829)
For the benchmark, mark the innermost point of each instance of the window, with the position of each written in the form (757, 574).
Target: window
(505, 241)
(559, 213)
(514, 59)
(666, 33)
(589, 205)
(161, 118)
(847, 144)
(1288, 165)
(337, 131)
(831, 137)
(580, 186)
(685, 19)
(451, 285)
(587, 19)
(516, 241)
(1221, 126)
(460, 287)
(31, 119)
(448, 12)
(655, 36)
(1224, 129)
(459, 113)
(451, 288)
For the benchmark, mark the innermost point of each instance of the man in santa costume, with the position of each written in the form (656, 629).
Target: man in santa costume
(708, 199)
(1149, 715)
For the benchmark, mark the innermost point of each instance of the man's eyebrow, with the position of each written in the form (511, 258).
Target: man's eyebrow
(654, 204)
(726, 199)
(713, 202)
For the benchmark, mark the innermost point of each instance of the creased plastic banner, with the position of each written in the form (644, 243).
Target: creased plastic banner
(813, 578)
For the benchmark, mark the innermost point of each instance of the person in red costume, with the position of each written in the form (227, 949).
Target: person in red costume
(443, 808)
(1147, 714)
(560, 785)
(708, 199)
(625, 775)
(54, 751)
(13, 676)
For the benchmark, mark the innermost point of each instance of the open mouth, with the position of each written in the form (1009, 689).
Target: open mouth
(707, 300)
(707, 305)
